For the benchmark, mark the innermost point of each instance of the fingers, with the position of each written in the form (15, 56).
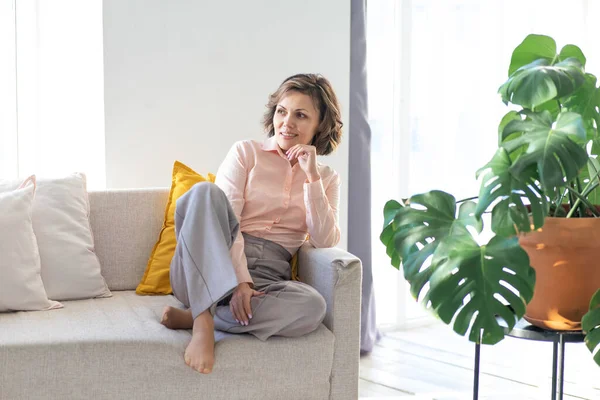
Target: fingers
(234, 312)
(241, 317)
(238, 308)
(248, 306)
(291, 153)
(300, 150)
(301, 153)
(234, 306)
(241, 306)
(297, 153)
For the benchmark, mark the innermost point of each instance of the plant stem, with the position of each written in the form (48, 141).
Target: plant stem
(591, 185)
(582, 199)
(581, 205)
(559, 203)
(467, 199)
(572, 202)
(588, 191)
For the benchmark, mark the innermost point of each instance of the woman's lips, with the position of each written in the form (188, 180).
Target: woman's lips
(288, 136)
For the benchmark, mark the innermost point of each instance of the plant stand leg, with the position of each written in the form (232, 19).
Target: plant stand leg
(554, 368)
(561, 367)
(476, 372)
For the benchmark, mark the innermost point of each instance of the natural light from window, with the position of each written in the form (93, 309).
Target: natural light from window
(434, 68)
(57, 124)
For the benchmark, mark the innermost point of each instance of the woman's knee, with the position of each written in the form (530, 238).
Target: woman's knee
(318, 306)
(313, 310)
(198, 194)
(205, 189)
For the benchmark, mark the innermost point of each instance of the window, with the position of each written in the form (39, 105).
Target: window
(54, 119)
(8, 94)
(434, 69)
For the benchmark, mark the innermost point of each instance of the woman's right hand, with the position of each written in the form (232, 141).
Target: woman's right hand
(240, 302)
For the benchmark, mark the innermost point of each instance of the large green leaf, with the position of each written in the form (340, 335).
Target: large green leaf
(532, 48)
(591, 325)
(387, 235)
(467, 283)
(585, 101)
(552, 106)
(417, 228)
(572, 51)
(538, 75)
(541, 81)
(548, 145)
(508, 117)
(510, 214)
(472, 284)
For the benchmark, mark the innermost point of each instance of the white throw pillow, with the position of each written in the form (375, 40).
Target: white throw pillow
(70, 267)
(21, 287)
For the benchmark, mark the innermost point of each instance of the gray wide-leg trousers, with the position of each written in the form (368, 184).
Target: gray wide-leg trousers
(203, 277)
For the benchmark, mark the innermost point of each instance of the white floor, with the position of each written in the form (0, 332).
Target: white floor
(434, 363)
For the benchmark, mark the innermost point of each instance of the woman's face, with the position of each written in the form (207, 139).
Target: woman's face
(295, 120)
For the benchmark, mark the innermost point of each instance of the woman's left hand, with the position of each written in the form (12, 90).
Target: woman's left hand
(307, 158)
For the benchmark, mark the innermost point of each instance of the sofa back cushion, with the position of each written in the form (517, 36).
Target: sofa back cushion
(70, 268)
(21, 286)
(126, 224)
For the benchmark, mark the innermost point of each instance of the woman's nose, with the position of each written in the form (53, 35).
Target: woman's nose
(288, 120)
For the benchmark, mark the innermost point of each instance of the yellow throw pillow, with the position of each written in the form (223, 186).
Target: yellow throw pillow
(294, 266)
(156, 278)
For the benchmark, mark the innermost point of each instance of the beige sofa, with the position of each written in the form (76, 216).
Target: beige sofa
(115, 348)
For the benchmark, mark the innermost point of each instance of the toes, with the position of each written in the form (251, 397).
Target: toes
(165, 315)
(205, 369)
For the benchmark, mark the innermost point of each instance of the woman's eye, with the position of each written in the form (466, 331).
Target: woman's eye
(300, 115)
(280, 111)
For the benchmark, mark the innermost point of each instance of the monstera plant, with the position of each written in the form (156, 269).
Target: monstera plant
(545, 166)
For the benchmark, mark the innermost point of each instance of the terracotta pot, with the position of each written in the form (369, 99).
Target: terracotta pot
(565, 254)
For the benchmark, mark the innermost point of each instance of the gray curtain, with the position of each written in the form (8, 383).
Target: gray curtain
(359, 188)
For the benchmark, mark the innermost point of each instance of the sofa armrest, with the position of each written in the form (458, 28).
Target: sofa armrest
(337, 275)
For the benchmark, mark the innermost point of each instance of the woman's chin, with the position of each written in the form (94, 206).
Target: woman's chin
(284, 144)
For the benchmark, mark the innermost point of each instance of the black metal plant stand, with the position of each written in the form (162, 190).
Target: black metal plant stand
(524, 330)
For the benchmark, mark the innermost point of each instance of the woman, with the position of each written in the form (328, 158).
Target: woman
(281, 197)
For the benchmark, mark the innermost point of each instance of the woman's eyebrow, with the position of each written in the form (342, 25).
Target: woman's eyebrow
(298, 109)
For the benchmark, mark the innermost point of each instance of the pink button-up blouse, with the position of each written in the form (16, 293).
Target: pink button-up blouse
(275, 201)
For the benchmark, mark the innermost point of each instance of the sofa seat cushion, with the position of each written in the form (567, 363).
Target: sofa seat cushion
(115, 348)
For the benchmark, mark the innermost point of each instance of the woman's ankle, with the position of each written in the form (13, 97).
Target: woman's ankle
(204, 321)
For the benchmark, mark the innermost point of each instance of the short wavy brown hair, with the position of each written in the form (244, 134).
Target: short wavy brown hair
(329, 131)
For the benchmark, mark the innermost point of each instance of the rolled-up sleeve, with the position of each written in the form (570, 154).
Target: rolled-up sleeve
(322, 215)
(231, 178)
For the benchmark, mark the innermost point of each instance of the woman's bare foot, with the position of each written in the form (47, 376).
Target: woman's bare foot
(200, 353)
(175, 318)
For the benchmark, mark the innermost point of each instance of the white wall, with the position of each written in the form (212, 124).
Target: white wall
(186, 79)
(9, 161)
